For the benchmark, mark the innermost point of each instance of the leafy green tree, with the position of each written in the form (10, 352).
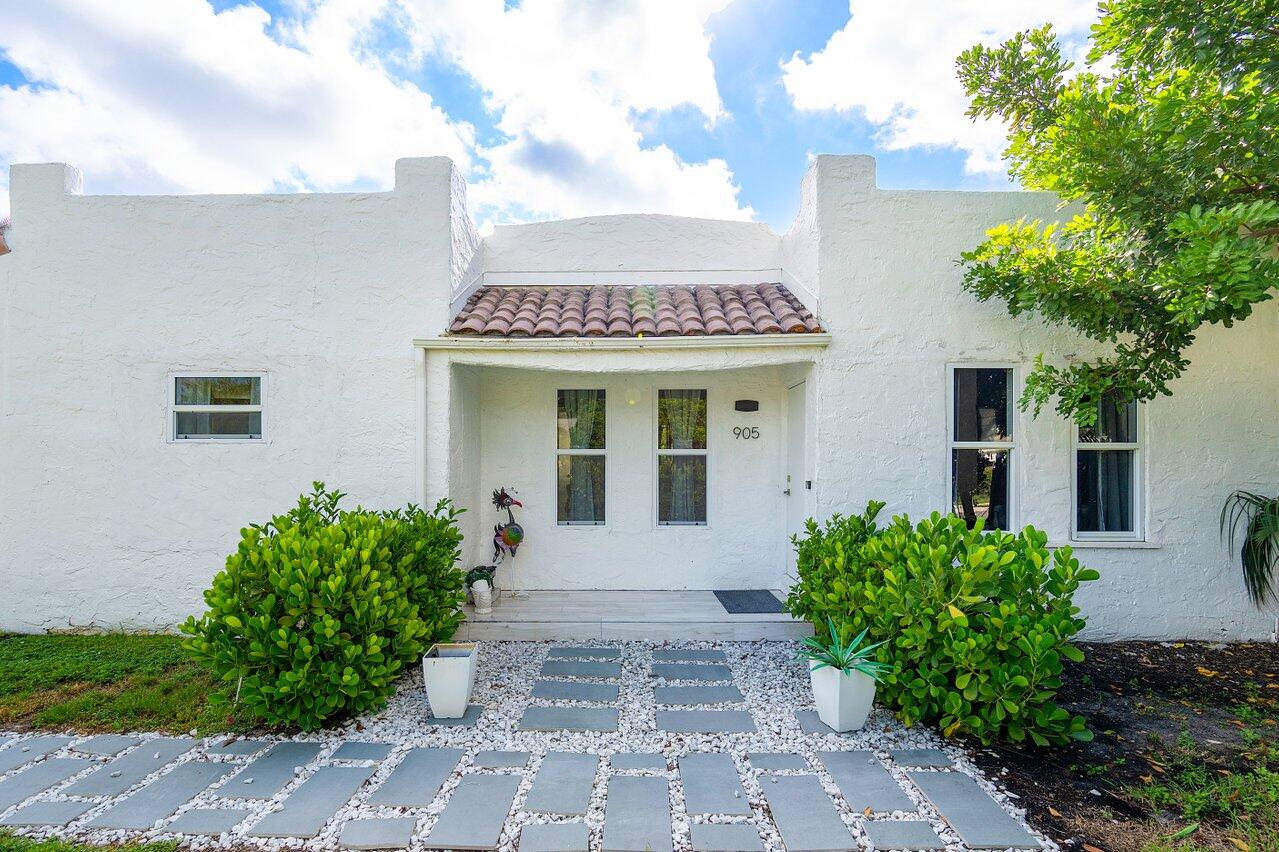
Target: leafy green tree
(1166, 147)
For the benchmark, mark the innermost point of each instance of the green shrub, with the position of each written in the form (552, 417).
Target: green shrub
(975, 624)
(319, 611)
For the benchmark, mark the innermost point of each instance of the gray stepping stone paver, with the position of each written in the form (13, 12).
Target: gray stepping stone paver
(580, 668)
(567, 690)
(268, 774)
(977, 818)
(237, 747)
(569, 719)
(705, 721)
(361, 751)
(161, 797)
(772, 760)
(698, 695)
(48, 813)
(314, 803)
(475, 813)
(501, 760)
(392, 833)
(805, 815)
(418, 777)
(127, 771)
(210, 822)
(638, 761)
(466, 720)
(38, 778)
(811, 723)
(637, 815)
(106, 745)
(889, 834)
(864, 782)
(587, 653)
(689, 655)
(692, 671)
(711, 785)
(20, 752)
(716, 837)
(563, 784)
(555, 837)
(922, 758)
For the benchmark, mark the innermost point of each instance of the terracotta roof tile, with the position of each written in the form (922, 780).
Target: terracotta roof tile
(629, 311)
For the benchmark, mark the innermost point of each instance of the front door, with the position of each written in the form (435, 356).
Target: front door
(796, 468)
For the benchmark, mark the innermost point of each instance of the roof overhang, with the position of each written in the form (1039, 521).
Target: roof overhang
(815, 340)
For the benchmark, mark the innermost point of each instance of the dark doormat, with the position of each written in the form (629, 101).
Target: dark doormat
(741, 601)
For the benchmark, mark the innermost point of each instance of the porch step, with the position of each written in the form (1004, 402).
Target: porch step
(585, 616)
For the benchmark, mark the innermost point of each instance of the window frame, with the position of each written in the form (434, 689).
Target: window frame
(1138, 508)
(172, 408)
(1012, 446)
(658, 452)
(556, 452)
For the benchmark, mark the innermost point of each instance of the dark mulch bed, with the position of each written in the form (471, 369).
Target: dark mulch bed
(1138, 698)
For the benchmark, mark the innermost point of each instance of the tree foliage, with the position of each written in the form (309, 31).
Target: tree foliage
(1166, 144)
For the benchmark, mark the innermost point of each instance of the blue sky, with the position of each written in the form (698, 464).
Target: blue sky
(551, 107)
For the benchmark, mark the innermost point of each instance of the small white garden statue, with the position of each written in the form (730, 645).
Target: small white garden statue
(448, 670)
(482, 592)
(843, 679)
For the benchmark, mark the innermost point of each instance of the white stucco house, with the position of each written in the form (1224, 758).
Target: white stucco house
(668, 398)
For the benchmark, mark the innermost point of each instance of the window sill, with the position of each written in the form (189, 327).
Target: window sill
(1107, 544)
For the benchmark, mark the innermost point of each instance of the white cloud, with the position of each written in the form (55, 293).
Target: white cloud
(567, 78)
(896, 63)
(166, 95)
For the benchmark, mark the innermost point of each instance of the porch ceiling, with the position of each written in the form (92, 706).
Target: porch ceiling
(634, 311)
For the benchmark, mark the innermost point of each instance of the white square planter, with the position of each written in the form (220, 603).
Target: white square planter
(448, 670)
(843, 699)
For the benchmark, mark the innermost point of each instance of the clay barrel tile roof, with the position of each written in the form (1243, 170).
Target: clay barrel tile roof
(633, 310)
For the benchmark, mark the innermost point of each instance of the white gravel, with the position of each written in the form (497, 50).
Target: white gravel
(773, 682)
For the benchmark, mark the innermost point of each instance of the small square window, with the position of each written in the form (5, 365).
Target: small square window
(216, 408)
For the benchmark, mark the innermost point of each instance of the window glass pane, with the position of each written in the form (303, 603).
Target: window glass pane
(580, 494)
(221, 390)
(1116, 424)
(681, 489)
(217, 424)
(981, 404)
(1103, 482)
(681, 419)
(980, 486)
(580, 420)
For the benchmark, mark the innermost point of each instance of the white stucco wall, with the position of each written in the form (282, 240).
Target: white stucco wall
(104, 522)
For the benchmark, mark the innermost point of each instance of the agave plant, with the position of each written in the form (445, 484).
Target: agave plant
(853, 656)
(1255, 519)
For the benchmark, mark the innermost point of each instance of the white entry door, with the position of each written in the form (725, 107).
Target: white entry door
(797, 483)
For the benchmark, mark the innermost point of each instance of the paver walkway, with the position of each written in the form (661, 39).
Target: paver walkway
(620, 747)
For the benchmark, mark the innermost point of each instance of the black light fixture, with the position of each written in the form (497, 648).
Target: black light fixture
(746, 405)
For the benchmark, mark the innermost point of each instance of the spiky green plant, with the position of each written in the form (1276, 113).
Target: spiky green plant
(1254, 518)
(853, 657)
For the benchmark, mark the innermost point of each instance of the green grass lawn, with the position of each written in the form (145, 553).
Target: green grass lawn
(13, 843)
(113, 682)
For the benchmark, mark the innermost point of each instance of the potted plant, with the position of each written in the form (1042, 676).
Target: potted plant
(448, 670)
(843, 678)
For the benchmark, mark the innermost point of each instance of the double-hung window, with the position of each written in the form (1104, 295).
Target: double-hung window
(579, 457)
(216, 408)
(982, 445)
(1108, 474)
(681, 457)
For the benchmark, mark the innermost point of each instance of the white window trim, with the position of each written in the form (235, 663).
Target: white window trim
(172, 408)
(1013, 447)
(1138, 507)
(658, 453)
(557, 452)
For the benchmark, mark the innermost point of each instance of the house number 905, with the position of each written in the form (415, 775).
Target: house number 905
(746, 433)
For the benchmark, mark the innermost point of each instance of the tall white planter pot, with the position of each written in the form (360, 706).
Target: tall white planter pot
(843, 699)
(448, 669)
